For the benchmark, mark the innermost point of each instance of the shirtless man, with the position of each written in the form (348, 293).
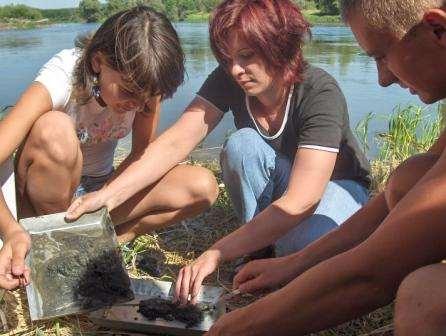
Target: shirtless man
(392, 247)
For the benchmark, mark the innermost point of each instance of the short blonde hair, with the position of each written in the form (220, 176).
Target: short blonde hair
(396, 16)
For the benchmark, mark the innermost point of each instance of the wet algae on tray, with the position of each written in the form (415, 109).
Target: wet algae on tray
(77, 272)
(161, 308)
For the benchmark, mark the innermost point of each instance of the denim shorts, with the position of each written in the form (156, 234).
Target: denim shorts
(91, 183)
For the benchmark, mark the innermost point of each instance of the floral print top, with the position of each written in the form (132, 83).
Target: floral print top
(97, 128)
(95, 125)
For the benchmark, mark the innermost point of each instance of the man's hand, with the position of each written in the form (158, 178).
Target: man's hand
(190, 277)
(237, 322)
(264, 274)
(87, 203)
(13, 271)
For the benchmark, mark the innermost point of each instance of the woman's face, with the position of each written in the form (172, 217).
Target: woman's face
(247, 68)
(114, 91)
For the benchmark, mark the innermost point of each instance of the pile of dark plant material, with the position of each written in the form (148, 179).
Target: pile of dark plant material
(74, 271)
(150, 262)
(161, 308)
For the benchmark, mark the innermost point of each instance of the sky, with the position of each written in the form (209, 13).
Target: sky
(43, 3)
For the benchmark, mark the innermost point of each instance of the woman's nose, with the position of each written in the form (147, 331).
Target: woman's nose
(237, 69)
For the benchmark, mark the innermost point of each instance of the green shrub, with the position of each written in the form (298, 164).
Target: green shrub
(410, 130)
(20, 12)
(90, 10)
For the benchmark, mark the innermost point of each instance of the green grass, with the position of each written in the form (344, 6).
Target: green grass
(410, 130)
(315, 17)
(312, 15)
(197, 17)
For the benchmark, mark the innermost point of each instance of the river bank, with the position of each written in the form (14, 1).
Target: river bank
(312, 15)
(13, 23)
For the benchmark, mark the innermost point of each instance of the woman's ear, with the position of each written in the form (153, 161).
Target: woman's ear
(96, 62)
(435, 19)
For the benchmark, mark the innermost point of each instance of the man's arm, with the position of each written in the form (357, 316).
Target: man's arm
(361, 279)
(275, 272)
(350, 234)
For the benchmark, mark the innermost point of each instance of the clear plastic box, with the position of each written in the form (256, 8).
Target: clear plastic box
(75, 266)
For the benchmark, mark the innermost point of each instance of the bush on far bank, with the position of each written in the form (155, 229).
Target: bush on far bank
(20, 12)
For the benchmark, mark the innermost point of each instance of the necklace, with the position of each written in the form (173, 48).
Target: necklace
(285, 117)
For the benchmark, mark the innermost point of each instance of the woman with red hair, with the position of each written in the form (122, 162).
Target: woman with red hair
(293, 168)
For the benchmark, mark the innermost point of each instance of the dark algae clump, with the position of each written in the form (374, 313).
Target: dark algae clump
(77, 271)
(149, 263)
(160, 308)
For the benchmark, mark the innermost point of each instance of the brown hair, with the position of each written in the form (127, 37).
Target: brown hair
(396, 16)
(275, 29)
(142, 45)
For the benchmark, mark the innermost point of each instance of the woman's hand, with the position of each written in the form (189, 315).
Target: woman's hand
(87, 203)
(190, 277)
(13, 271)
(264, 274)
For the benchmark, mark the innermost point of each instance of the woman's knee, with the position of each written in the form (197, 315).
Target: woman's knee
(406, 175)
(203, 186)
(242, 144)
(54, 137)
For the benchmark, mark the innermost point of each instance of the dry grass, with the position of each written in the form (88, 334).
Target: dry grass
(175, 247)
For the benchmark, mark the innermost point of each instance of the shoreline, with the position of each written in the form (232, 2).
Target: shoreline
(313, 16)
(18, 24)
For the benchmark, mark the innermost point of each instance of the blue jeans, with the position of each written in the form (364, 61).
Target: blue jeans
(256, 175)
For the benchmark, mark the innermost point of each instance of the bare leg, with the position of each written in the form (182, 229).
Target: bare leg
(49, 166)
(421, 303)
(183, 192)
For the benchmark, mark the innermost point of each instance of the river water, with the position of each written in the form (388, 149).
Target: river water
(23, 52)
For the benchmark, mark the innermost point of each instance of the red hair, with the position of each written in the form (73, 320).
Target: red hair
(274, 29)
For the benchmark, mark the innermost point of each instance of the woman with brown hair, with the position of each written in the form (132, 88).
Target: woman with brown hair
(69, 121)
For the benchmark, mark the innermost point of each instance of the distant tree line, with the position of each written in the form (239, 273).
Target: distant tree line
(93, 10)
(20, 12)
(29, 13)
(177, 10)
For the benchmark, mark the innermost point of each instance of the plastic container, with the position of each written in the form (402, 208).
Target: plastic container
(76, 267)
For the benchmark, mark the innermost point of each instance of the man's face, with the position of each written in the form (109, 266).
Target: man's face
(413, 61)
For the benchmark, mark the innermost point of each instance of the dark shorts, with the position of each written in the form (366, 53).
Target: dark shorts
(91, 183)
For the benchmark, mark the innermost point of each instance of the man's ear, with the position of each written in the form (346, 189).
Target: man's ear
(96, 62)
(435, 19)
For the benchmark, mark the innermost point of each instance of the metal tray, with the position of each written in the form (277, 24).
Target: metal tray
(88, 244)
(126, 316)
